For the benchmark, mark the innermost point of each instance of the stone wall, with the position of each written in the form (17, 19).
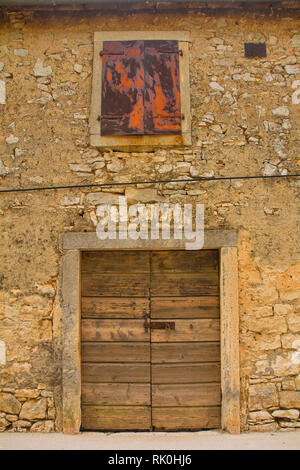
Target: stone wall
(27, 410)
(245, 121)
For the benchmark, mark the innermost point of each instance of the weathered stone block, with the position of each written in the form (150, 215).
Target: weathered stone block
(260, 417)
(12, 418)
(289, 295)
(2, 92)
(289, 424)
(41, 71)
(27, 393)
(34, 409)
(43, 426)
(46, 290)
(292, 69)
(142, 195)
(78, 68)
(102, 198)
(269, 169)
(281, 111)
(2, 353)
(4, 423)
(70, 201)
(21, 423)
(262, 312)
(21, 52)
(51, 413)
(283, 366)
(295, 41)
(289, 399)
(282, 309)
(288, 384)
(83, 167)
(266, 294)
(287, 414)
(12, 139)
(9, 404)
(294, 322)
(47, 394)
(262, 396)
(263, 367)
(268, 342)
(290, 341)
(269, 427)
(267, 325)
(115, 167)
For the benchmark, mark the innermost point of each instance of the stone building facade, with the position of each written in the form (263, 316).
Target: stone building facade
(245, 115)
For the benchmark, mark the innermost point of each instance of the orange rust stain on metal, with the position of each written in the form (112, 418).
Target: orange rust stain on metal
(136, 119)
(109, 76)
(135, 52)
(159, 108)
(125, 81)
(159, 105)
(140, 79)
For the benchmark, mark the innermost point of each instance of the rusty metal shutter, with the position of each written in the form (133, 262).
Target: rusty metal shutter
(122, 88)
(140, 88)
(162, 88)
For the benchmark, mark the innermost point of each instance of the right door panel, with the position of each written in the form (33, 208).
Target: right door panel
(185, 358)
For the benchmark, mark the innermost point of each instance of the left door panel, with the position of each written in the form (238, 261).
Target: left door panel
(115, 347)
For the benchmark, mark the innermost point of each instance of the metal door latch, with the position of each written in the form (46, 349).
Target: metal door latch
(159, 325)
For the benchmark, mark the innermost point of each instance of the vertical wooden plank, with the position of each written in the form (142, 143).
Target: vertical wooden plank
(230, 376)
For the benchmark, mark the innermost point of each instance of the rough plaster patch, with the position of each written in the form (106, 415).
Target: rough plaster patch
(2, 92)
(296, 94)
(2, 353)
(296, 357)
(296, 344)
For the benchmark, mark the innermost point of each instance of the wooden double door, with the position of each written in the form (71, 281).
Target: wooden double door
(150, 340)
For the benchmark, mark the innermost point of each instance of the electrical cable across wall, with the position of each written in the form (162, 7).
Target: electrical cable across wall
(129, 183)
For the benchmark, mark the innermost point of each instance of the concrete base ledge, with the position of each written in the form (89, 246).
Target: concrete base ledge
(204, 440)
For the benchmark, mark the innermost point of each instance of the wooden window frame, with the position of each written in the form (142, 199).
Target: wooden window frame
(143, 142)
(69, 290)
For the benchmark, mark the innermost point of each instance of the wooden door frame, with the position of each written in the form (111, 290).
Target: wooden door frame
(72, 244)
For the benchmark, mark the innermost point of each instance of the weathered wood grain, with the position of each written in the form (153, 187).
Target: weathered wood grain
(186, 418)
(123, 373)
(204, 394)
(185, 307)
(189, 330)
(185, 373)
(115, 394)
(115, 418)
(115, 285)
(114, 307)
(114, 330)
(115, 262)
(185, 352)
(184, 261)
(184, 285)
(115, 352)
